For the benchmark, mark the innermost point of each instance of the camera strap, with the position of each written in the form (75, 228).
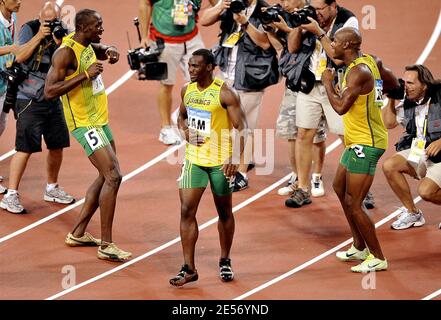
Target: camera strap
(39, 55)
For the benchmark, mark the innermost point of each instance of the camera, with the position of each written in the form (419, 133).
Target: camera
(301, 16)
(146, 61)
(236, 6)
(271, 14)
(57, 28)
(14, 75)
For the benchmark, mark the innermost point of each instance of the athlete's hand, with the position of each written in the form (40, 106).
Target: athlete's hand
(112, 54)
(194, 138)
(434, 148)
(328, 75)
(95, 69)
(229, 169)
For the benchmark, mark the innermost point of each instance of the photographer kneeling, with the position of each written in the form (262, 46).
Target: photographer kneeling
(247, 61)
(36, 117)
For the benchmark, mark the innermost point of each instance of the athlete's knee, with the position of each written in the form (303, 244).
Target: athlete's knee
(225, 216)
(348, 201)
(113, 177)
(188, 211)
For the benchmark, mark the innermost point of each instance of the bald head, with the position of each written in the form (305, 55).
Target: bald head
(351, 36)
(50, 11)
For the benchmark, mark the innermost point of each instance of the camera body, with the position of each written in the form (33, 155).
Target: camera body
(146, 61)
(14, 75)
(301, 16)
(236, 6)
(57, 28)
(271, 14)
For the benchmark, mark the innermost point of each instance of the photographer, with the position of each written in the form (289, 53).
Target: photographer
(175, 23)
(8, 25)
(247, 61)
(278, 27)
(419, 149)
(36, 117)
(311, 43)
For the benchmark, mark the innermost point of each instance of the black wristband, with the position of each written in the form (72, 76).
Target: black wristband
(321, 36)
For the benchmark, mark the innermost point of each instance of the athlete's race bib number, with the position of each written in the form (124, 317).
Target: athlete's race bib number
(199, 120)
(97, 85)
(93, 139)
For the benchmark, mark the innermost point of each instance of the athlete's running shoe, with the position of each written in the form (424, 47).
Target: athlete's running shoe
(184, 276)
(87, 240)
(225, 271)
(370, 264)
(112, 253)
(352, 254)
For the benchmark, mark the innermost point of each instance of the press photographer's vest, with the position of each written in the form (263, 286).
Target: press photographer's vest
(363, 122)
(7, 39)
(209, 118)
(256, 68)
(165, 21)
(302, 57)
(86, 104)
(433, 131)
(37, 67)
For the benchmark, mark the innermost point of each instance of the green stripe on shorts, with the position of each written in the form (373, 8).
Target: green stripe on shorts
(361, 159)
(93, 138)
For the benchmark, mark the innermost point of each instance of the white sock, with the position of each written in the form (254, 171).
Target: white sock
(11, 192)
(51, 186)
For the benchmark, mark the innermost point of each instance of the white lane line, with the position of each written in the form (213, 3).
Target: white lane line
(176, 240)
(109, 90)
(314, 260)
(433, 39)
(432, 295)
(80, 202)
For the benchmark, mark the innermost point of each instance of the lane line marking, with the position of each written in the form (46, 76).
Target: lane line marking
(80, 202)
(176, 240)
(316, 259)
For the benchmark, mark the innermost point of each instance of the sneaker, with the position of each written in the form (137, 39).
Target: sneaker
(370, 264)
(240, 183)
(369, 201)
(12, 204)
(406, 220)
(184, 276)
(225, 271)
(87, 240)
(298, 199)
(113, 253)
(251, 166)
(58, 195)
(317, 189)
(168, 136)
(352, 254)
(289, 188)
(3, 189)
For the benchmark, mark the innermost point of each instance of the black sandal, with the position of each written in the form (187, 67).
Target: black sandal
(184, 276)
(226, 272)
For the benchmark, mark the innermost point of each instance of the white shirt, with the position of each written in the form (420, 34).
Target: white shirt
(7, 24)
(319, 53)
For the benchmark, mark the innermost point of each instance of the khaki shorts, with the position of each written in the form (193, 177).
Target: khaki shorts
(286, 122)
(178, 54)
(425, 169)
(313, 106)
(250, 101)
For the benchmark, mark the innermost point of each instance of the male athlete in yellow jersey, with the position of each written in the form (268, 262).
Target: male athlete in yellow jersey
(208, 111)
(76, 76)
(365, 138)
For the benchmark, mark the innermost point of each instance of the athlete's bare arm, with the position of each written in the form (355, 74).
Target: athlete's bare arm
(189, 135)
(104, 52)
(64, 64)
(231, 101)
(359, 81)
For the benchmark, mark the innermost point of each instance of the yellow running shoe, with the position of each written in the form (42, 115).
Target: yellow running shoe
(87, 240)
(112, 253)
(370, 264)
(352, 254)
